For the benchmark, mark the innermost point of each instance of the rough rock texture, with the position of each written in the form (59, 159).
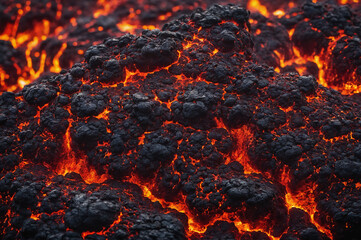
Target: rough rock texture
(178, 133)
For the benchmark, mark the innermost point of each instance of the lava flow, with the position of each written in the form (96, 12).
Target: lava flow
(225, 124)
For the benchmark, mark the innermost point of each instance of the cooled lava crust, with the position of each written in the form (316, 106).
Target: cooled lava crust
(180, 134)
(45, 36)
(319, 37)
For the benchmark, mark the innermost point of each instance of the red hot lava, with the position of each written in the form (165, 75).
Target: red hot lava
(211, 128)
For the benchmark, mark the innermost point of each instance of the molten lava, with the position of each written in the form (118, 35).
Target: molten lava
(224, 124)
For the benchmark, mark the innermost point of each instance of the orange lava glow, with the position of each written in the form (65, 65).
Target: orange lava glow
(31, 41)
(303, 199)
(343, 2)
(131, 25)
(326, 76)
(39, 62)
(193, 226)
(256, 6)
(73, 163)
(243, 138)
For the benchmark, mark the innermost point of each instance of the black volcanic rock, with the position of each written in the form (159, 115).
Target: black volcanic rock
(160, 136)
(91, 213)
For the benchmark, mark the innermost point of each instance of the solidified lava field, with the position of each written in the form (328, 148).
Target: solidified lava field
(180, 120)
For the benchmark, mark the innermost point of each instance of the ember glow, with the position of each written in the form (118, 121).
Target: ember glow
(140, 119)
